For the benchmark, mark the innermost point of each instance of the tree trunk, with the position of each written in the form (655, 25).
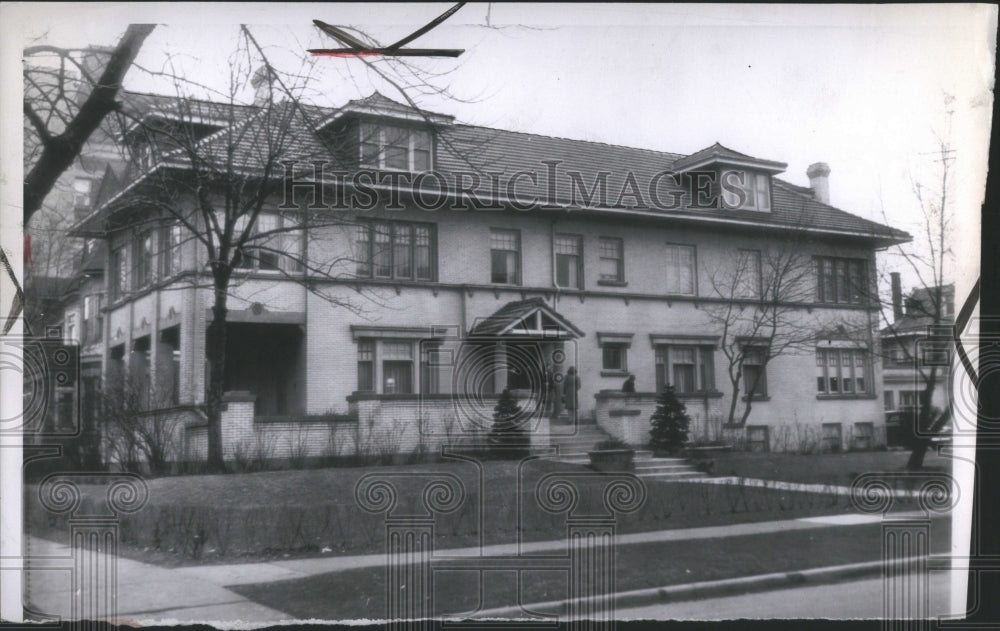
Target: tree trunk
(215, 353)
(58, 152)
(922, 444)
(733, 402)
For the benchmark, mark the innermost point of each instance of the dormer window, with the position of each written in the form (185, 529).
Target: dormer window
(746, 190)
(395, 148)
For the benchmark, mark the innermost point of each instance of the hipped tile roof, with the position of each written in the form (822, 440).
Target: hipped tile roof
(468, 148)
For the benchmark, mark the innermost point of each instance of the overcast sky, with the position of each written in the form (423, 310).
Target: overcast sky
(862, 88)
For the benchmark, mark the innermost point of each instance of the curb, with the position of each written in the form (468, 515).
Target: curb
(702, 589)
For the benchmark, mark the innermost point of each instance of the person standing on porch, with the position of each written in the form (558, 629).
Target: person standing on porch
(556, 391)
(570, 387)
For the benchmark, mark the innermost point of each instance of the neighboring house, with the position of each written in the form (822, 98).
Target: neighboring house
(459, 305)
(904, 372)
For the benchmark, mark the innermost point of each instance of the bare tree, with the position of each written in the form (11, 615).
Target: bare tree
(57, 122)
(216, 172)
(928, 260)
(759, 310)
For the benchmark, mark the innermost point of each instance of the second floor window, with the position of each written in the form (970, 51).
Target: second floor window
(505, 257)
(748, 277)
(395, 249)
(275, 244)
(120, 272)
(612, 266)
(171, 237)
(840, 280)
(680, 269)
(395, 148)
(82, 192)
(93, 320)
(144, 259)
(569, 261)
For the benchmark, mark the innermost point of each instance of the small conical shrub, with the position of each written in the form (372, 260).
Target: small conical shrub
(669, 422)
(509, 438)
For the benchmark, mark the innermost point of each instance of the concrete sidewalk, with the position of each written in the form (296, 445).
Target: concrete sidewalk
(198, 593)
(248, 573)
(145, 592)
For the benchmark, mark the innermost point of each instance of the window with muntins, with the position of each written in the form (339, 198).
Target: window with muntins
(395, 250)
(505, 257)
(144, 260)
(614, 357)
(82, 192)
(273, 244)
(746, 190)
(680, 269)
(366, 366)
(397, 367)
(689, 369)
(569, 261)
(755, 371)
(748, 274)
(843, 371)
(171, 236)
(612, 260)
(395, 148)
(120, 272)
(841, 281)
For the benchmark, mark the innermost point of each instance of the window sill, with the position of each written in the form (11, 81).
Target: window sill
(700, 394)
(612, 283)
(756, 397)
(615, 373)
(825, 397)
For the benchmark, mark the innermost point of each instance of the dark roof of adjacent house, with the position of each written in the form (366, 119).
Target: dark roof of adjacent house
(919, 311)
(621, 170)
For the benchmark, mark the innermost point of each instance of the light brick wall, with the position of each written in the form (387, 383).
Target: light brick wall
(330, 352)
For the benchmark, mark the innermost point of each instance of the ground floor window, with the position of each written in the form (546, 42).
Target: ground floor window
(366, 366)
(397, 367)
(842, 371)
(169, 368)
(908, 398)
(887, 398)
(864, 435)
(757, 438)
(755, 371)
(688, 368)
(614, 357)
(389, 366)
(430, 360)
(832, 437)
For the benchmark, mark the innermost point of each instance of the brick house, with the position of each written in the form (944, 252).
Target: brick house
(564, 254)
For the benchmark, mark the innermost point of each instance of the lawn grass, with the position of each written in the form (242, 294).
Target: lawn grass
(283, 514)
(362, 593)
(834, 469)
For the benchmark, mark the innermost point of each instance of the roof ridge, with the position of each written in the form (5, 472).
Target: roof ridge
(589, 142)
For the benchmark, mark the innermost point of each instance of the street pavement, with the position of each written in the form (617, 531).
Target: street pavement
(855, 599)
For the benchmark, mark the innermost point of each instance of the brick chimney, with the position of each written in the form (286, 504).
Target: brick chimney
(819, 181)
(897, 297)
(94, 60)
(263, 86)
